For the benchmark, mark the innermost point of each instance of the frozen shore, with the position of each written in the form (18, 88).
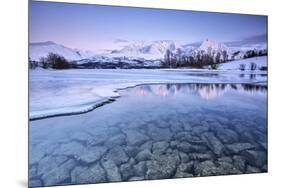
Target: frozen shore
(62, 92)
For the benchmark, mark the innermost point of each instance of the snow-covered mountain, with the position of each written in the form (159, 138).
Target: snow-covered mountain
(210, 46)
(144, 49)
(149, 51)
(157, 49)
(42, 49)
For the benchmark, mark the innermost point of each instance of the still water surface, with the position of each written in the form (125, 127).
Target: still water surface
(155, 132)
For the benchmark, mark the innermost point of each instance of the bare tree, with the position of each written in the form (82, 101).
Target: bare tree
(218, 57)
(225, 56)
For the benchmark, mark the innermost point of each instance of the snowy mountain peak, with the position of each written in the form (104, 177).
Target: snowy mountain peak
(151, 50)
(162, 46)
(210, 45)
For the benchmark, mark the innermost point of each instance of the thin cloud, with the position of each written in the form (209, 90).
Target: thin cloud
(121, 41)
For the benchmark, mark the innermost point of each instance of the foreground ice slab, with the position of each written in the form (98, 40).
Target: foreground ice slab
(57, 92)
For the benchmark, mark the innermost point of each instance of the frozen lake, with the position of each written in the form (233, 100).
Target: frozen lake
(157, 131)
(75, 91)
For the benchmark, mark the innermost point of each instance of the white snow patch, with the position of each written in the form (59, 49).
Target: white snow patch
(234, 65)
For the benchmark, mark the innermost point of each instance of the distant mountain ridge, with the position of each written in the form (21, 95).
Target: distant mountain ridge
(154, 49)
(151, 50)
(42, 49)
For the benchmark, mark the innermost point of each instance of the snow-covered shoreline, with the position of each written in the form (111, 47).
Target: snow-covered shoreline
(66, 92)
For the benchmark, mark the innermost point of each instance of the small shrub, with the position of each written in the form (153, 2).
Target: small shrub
(242, 67)
(56, 61)
(253, 66)
(215, 66)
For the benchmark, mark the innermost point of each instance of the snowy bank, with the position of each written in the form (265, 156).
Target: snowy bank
(234, 65)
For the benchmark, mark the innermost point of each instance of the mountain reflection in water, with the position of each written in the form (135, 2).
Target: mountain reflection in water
(205, 91)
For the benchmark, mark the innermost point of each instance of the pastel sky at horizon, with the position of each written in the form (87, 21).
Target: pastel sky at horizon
(96, 27)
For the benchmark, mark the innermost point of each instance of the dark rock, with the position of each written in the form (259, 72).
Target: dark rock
(159, 134)
(80, 152)
(126, 171)
(111, 170)
(239, 127)
(206, 168)
(252, 169)
(213, 143)
(140, 169)
(183, 136)
(131, 151)
(225, 159)
(70, 149)
(34, 183)
(36, 153)
(244, 133)
(100, 134)
(200, 156)
(184, 157)
(117, 155)
(82, 136)
(187, 136)
(239, 147)
(199, 148)
(247, 137)
(59, 175)
(221, 119)
(187, 126)
(186, 167)
(144, 155)
(176, 127)
(185, 147)
(215, 126)
(210, 120)
(32, 171)
(174, 144)
(239, 162)
(264, 168)
(117, 140)
(146, 145)
(204, 123)
(180, 174)
(263, 145)
(49, 163)
(93, 174)
(255, 158)
(227, 136)
(163, 124)
(92, 154)
(160, 147)
(225, 168)
(163, 166)
(169, 150)
(198, 130)
(135, 138)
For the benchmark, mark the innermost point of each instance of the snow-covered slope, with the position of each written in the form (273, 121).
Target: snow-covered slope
(234, 65)
(42, 49)
(144, 49)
